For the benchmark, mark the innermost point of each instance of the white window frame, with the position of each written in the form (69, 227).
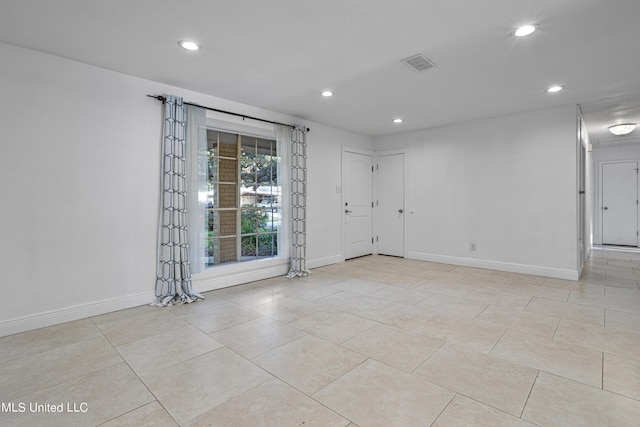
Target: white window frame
(230, 274)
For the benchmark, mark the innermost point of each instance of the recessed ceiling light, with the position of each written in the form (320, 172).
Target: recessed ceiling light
(327, 93)
(525, 30)
(622, 129)
(554, 89)
(188, 45)
(398, 120)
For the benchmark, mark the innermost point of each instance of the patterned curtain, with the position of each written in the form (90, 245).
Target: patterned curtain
(173, 279)
(298, 203)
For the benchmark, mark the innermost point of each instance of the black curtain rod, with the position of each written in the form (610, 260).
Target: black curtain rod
(163, 99)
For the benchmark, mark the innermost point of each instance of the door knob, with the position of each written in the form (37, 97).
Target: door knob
(347, 211)
(400, 210)
(605, 208)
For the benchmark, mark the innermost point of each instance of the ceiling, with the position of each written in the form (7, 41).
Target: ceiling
(280, 54)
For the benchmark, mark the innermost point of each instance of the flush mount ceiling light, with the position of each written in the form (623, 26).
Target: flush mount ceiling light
(554, 89)
(188, 45)
(398, 120)
(327, 93)
(525, 30)
(622, 129)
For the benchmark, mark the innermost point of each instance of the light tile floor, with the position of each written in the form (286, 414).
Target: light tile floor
(375, 341)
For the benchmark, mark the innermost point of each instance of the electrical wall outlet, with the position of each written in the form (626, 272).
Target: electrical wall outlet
(472, 246)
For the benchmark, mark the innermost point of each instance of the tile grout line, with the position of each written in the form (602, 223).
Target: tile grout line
(555, 332)
(445, 408)
(146, 386)
(602, 375)
(529, 395)
(427, 359)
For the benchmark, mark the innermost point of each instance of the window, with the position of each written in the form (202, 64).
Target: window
(243, 200)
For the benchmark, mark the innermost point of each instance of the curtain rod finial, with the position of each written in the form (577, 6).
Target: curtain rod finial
(158, 97)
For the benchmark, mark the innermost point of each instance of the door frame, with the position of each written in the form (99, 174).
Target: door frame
(349, 149)
(405, 176)
(584, 236)
(598, 205)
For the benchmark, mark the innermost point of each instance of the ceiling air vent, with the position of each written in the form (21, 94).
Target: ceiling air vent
(418, 62)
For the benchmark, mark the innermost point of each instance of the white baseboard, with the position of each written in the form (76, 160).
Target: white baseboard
(222, 278)
(321, 262)
(497, 265)
(229, 278)
(71, 313)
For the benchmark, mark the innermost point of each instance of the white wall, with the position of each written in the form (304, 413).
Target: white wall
(324, 201)
(79, 174)
(508, 184)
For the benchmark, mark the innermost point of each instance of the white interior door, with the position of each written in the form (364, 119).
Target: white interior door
(390, 204)
(620, 203)
(357, 187)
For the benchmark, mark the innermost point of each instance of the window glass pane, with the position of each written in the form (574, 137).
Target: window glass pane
(220, 251)
(276, 197)
(226, 170)
(264, 173)
(228, 250)
(265, 160)
(248, 197)
(221, 223)
(209, 251)
(212, 142)
(273, 220)
(212, 167)
(212, 223)
(248, 146)
(263, 220)
(248, 161)
(265, 147)
(267, 245)
(251, 220)
(212, 199)
(249, 247)
(227, 223)
(226, 196)
(248, 175)
(228, 144)
(242, 174)
(265, 198)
